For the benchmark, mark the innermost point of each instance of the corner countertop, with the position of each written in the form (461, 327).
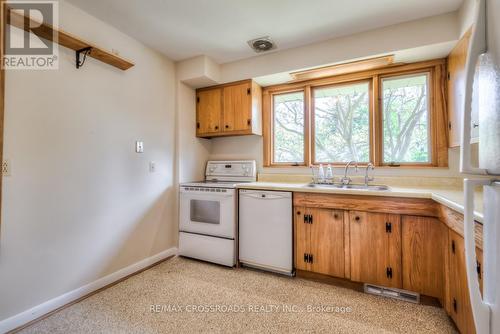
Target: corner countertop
(452, 197)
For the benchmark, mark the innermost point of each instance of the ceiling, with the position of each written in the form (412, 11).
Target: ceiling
(220, 29)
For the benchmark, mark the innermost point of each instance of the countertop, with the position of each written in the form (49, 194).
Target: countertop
(452, 197)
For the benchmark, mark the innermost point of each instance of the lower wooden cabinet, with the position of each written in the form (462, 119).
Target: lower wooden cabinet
(459, 299)
(320, 241)
(390, 246)
(375, 248)
(424, 241)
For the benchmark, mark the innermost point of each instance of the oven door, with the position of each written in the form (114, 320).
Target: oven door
(208, 211)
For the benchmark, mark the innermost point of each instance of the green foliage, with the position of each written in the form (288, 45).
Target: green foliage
(342, 122)
(405, 119)
(341, 117)
(289, 127)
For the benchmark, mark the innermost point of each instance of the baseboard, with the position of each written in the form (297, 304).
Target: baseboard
(40, 310)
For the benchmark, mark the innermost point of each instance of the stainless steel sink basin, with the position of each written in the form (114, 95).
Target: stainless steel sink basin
(349, 186)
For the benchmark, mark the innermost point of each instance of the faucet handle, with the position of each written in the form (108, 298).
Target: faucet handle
(345, 180)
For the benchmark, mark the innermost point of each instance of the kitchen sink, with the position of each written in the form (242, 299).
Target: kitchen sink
(349, 186)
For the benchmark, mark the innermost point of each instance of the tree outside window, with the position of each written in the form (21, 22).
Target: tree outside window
(342, 123)
(406, 119)
(288, 127)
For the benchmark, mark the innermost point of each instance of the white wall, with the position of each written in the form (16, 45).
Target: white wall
(251, 147)
(80, 203)
(466, 15)
(431, 31)
(193, 152)
(416, 34)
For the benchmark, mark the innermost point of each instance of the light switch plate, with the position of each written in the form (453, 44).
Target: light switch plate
(6, 168)
(139, 147)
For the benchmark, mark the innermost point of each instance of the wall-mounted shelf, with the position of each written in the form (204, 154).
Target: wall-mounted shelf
(47, 32)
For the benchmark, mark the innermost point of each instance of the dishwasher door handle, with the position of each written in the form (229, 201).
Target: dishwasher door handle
(263, 195)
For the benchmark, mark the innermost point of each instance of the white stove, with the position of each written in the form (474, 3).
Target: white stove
(207, 226)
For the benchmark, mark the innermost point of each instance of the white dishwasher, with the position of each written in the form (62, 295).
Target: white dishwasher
(265, 230)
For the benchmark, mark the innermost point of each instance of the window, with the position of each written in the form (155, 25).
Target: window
(288, 128)
(405, 104)
(341, 123)
(390, 116)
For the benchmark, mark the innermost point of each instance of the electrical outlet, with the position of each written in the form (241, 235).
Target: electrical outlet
(6, 168)
(139, 147)
(152, 166)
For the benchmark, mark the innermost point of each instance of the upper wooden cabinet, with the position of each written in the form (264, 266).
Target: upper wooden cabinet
(229, 110)
(456, 88)
(208, 111)
(375, 248)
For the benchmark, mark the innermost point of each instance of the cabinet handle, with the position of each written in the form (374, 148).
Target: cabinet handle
(357, 218)
(298, 212)
(388, 227)
(478, 268)
(335, 216)
(227, 126)
(249, 91)
(216, 127)
(198, 125)
(453, 246)
(249, 121)
(455, 306)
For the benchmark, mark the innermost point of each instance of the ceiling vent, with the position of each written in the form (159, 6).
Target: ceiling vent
(262, 44)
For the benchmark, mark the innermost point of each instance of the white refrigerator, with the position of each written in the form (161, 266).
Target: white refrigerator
(482, 98)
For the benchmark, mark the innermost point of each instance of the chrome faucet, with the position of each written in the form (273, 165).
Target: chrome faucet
(346, 180)
(368, 179)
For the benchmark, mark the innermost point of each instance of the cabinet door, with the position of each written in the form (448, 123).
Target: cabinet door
(302, 239)
(461, 310)
(208, 111)
(237, 115)
(456, 88)
(424, 245)
(375, 248)
(327, 242)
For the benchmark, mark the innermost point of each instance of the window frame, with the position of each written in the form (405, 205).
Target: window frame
(306, 126)
(438, 117)
(430, 111)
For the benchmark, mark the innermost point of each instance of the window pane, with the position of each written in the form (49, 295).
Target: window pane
(406, 119)
(342, 123)
(289, 127)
